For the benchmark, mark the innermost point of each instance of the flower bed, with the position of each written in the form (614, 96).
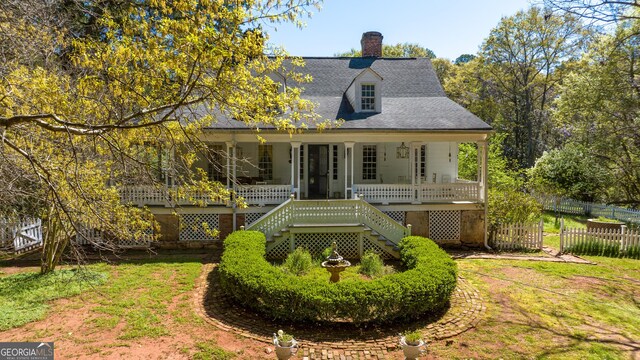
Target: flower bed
(424, 287)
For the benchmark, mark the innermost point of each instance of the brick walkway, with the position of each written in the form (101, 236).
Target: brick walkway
(343, 341)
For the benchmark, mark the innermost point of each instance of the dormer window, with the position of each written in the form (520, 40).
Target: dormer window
(368, 97)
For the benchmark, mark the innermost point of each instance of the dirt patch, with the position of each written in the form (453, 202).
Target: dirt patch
(79, 332)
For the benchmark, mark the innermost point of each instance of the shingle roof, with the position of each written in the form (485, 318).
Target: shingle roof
(412, 97)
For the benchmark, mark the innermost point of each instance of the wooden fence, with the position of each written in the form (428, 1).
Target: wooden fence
(518, 237)
(602, 242)
(575, 207)
(20, 235)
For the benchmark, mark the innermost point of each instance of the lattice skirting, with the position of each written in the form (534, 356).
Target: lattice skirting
(398, 216)
(444, 225)
(316, 243)
(198, 227)
(250, 218)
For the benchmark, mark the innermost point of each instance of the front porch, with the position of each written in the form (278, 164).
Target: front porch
(380, 172)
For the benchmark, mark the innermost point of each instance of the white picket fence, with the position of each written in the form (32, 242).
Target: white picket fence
(605, 242)
(20, 236)
(518, 237)
(575, 207)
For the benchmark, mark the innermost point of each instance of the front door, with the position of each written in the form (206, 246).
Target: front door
(318, 184)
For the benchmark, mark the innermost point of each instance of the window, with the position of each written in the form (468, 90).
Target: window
(335, 162)
(214, 159)
(265, 161)
(369, 162)
(368, 97)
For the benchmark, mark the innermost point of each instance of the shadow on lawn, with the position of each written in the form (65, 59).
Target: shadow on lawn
(567, 339)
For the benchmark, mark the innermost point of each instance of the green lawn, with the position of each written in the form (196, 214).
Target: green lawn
(536, 310)
(552, 310)
(24, 297)
(551, 225)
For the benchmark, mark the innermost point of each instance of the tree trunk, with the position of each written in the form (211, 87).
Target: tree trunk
(54, 243)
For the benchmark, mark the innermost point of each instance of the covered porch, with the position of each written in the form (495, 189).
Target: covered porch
(379, 168)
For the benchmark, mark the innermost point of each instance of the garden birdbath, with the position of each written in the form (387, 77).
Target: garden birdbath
(335, 264)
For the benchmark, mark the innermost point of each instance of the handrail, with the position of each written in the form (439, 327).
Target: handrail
(330, 212)
(274, 220)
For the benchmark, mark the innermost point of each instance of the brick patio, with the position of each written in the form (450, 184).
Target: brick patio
(342, 341)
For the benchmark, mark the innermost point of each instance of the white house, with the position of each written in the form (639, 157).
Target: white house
(392, 163)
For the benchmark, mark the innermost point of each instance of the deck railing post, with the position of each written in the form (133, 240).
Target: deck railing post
(562, 235)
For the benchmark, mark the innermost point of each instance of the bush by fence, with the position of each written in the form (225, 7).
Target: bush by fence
(424, 287)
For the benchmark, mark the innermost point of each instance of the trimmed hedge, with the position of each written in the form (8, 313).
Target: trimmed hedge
(425, 286)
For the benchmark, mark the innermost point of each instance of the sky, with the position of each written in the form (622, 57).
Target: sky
(447, 27)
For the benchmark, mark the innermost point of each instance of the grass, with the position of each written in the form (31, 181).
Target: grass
(543, 310)
(24, 297)
(570, 221)
(551, 310)
(207, 351)
(139, 295)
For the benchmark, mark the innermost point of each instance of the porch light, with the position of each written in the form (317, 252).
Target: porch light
(402, 151)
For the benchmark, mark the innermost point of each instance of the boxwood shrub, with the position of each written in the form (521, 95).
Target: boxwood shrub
(424, 287)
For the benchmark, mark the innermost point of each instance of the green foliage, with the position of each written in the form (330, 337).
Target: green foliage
(24, 296)
(571, 172)
(412, 337)
(400, 50)
(425, 287)
(105, 93)
(599, 108)
(593, 245)
(524, 56)
(283, 338)
(208, 351)
(511, 206)
(326, 253)
(501, 175)
(371, 264)
(463, 59)
(299, 262)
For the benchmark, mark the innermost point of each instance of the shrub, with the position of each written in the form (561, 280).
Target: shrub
(371, 264)
(299, 262)
(425, 287)
(412, 337)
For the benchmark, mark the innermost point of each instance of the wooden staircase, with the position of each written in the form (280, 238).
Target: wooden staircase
(360, 225)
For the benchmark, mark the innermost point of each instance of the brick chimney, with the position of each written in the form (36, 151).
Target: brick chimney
(371, 44)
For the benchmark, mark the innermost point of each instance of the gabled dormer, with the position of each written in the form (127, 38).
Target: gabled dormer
(364, 93)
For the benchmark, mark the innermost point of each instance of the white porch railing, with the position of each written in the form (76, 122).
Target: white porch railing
(143, 195)
(333, 212)
(407, 193)
(253, 194)
(264, 194)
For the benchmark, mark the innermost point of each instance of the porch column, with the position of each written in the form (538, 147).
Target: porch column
(295, 169)
(483, 156)
(348, 185)
(231, 156)
(415, 164)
